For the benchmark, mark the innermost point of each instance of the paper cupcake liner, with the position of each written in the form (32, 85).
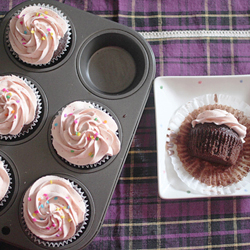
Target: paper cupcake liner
(67, 37)
(80, 228)
(11, 188)
(29, 127)
(89, 166)
(184, 164)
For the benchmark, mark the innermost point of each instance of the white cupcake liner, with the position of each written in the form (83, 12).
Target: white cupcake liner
(100, 162)
(68, 34)
(37, 115)
(79, 232)
(10, 189)
(174, 125)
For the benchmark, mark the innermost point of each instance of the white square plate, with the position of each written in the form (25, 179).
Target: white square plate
(171, 93)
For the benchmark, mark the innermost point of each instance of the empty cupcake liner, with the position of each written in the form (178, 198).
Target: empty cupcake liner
(187, 113)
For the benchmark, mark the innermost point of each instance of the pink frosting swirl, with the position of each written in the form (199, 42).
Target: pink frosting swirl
(221, 117)
(17, 105)
(52, 209)
(4, 181)
(83, 134)
(35, 33)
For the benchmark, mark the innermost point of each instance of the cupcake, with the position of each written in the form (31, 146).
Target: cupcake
(55, 211)
(84, 135)
(208, 142)
(216, 136)
(38, 34)
(4, 182)
(20, 106)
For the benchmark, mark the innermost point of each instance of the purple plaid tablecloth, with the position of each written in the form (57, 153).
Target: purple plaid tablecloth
(137, 218)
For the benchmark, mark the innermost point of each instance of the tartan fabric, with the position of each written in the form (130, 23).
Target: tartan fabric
(137, 218)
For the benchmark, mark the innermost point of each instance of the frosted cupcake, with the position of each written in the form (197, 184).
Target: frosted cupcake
(39, 34)
(55, 211)
(84, 135)
(4, 183)
(211, 158)
(20, 106)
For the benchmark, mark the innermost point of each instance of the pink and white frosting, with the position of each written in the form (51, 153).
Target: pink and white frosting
(35, 33)
(83, 134)
(4, 181)
(18, 105)
(221, 117)
(53, 209)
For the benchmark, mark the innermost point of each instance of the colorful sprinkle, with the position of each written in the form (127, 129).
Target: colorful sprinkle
(69, 220)
(56, 124)
(57, 235)
(62, 216)
(25, 32)
(95, 119)
(65, 115)
(29, 199)
(51, 182)
(72, 151)
(48, 228)
(21, 22)
(34, 214)
(17, 101)
(34, 219)
(48, 29)
(46, 12)
(23, 43)
(43, 38)
(32, 31)
(105, 122)
(75, 121)
(55, 198)
(97, 138)
(6, 115)
(39, 199)
(91, 154)
(47, 202)
(18, 16)
(42, 206)
(45, 194)
(13, 111)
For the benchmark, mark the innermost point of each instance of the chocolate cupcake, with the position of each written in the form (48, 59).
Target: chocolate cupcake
(38, 34)
(20, 107)
(85, 136)
(211, 159)
(216, 136)
(55, 211)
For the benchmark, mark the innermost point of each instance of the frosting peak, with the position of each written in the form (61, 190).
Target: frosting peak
(221, 117)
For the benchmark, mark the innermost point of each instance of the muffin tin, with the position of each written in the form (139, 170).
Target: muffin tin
(107, 64)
